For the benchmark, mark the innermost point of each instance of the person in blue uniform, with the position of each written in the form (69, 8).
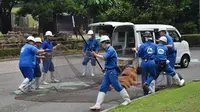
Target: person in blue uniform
(110, 75)
(92, 44)
(27, 62)
(163, 63)
(147, 52)
(37, 71)
(48, 64)
(171, 54)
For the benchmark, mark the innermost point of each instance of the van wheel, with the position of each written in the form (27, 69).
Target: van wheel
(185, 61)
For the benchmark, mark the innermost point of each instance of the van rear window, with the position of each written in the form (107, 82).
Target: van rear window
(121, 36)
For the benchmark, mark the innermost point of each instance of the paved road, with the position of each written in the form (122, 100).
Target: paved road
(69, 73)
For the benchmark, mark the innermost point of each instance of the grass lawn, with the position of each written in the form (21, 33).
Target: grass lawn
(175, 99)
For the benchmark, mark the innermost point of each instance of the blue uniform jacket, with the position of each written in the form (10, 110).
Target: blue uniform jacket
(161, 52)
(27, 56)
(47, 45)
(92, 45)
(147, 50)
(170, 41)
(110, 57)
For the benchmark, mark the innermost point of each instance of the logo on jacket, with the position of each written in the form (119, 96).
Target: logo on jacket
(161, 51)
(149, 50)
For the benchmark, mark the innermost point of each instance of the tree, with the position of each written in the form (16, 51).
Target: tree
(92, 8)
(5, 14)
(160, 11)
(46, 11)
(123, 11)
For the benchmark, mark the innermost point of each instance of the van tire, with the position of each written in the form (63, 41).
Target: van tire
(185, 60)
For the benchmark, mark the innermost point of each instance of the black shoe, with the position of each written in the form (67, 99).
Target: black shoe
(146, 89)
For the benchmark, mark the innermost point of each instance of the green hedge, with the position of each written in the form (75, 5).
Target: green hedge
(192, 39)
(66, 46)
(9, 52)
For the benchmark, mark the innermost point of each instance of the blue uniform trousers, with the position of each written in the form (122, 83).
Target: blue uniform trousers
(167, 68)
(28, 72)
(172, 59)
(148, 72)
(47, 65)
(37, 71)
(89, 57)
(110, 77)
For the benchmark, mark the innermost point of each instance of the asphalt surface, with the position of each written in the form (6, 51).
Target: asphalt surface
(74, 93)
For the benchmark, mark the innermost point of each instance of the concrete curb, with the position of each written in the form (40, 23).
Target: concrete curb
(9, 59)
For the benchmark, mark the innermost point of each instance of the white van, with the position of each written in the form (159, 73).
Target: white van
(125, 35)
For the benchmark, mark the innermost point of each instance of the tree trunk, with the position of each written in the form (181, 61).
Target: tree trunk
(48, 25)
(41, 27)
(6, 23)
(54, 24)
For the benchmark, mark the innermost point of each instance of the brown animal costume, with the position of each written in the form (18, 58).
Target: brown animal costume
(128, 77)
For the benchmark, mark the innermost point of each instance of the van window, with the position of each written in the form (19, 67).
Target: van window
(130, 39)
(142, 33)
(121, 37)
(175, 36)
(157, 35)
(107, 30)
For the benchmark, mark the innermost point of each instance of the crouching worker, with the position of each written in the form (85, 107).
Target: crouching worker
(37, 71)
(27, 62)
(163, 64)
(147, 52)
(110, 75)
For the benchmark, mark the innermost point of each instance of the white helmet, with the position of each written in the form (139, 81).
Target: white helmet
(48, 33)
(162, 29)
(90, 32)
(163, 38)
(104, 38)
(38, 39)
(31, 38)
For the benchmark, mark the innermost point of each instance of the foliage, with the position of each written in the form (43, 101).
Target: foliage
(183, 14)
(92, 8)
(9, 52)
(157, 11)
(123, 11)
(43, 9)
(187, 27)
(192, 39)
